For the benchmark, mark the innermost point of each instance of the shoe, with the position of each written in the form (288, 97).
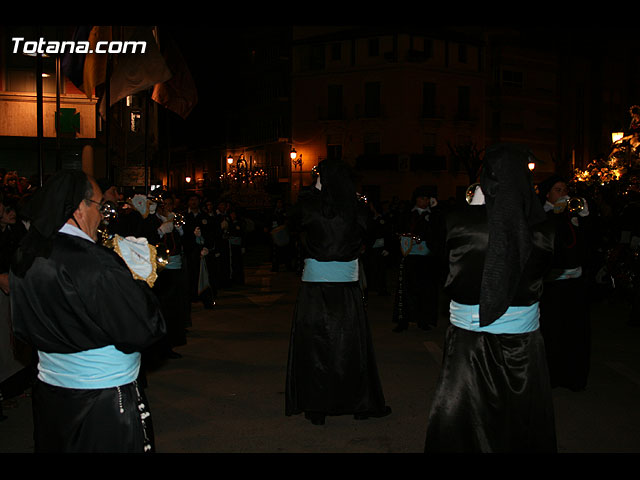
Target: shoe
(315, 418)
(366, 415)
(399, 328)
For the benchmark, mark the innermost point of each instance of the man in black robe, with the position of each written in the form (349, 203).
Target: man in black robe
(421, 233)
(196, 246)
(564, 307)
(78, 304)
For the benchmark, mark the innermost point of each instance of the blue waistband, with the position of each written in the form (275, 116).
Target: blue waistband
(315, 271)
(514, 320)
(104, 367)
(408, 244)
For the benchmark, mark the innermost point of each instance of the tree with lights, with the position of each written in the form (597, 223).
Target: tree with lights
(620, 170)
(617, 177)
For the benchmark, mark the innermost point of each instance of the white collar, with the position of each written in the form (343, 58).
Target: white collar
(75, 231)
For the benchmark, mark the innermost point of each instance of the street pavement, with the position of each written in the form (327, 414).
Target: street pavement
(226, 393)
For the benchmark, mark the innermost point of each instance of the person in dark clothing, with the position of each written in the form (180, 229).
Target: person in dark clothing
(236, 247)
(131, 216)
(564, 308)
(195, 247)
(419, 275)
(16, 362)
(331, 367)
(281, 248)
(493, 393)
(377, 255)
(172, 285)
(78, 304)
(222, 247)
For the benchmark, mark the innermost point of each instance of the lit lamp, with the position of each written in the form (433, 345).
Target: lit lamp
(229, 159)
(295, 159)
(187, 179)
(616, 136)
(532, 166)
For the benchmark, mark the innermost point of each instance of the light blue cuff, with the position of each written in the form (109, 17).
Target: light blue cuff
(514, 320)
(175, 262)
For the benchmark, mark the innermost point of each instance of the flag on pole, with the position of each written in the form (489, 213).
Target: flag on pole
(95, 64)
(72, 62)
(134, 71)
(179, 93)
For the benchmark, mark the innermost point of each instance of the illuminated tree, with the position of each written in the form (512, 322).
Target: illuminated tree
(621, 168)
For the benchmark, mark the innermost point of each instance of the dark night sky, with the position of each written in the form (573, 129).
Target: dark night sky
(212, 57)
(215, 53)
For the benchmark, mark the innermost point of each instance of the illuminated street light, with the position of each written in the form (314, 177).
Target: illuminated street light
(532, 166)
(229, 159)
(615, 136)
(187, 179)
(293, 154)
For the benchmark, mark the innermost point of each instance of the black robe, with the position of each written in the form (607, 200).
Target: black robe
(331, 367)
(493, 394)
(419, 276)
(84, 297)
(564, 309)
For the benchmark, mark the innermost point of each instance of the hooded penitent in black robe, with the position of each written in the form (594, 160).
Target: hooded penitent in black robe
(493, 394)
(71, 295)
(331, 367)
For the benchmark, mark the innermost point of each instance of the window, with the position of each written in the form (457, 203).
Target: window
(462, 53)
(334, 102)
(464, 102)
(374, 47)
(429, 144)
(371, 144)
(316, 57)
(372, 99)
(428, 47)
(336, 51)
(428, 99)
(334, 152)
(512, 78)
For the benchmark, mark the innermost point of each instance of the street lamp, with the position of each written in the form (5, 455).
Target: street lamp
(296, 160)
(616, 136)
(229, 160)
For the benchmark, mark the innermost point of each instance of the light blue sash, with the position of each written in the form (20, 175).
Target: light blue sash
(315, 271)
(408, 244)
(514, 320)
(104, 367)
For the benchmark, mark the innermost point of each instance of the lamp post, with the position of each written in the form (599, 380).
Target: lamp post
(296, 161)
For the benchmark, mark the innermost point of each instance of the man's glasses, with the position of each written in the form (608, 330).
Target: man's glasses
(93, 201)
